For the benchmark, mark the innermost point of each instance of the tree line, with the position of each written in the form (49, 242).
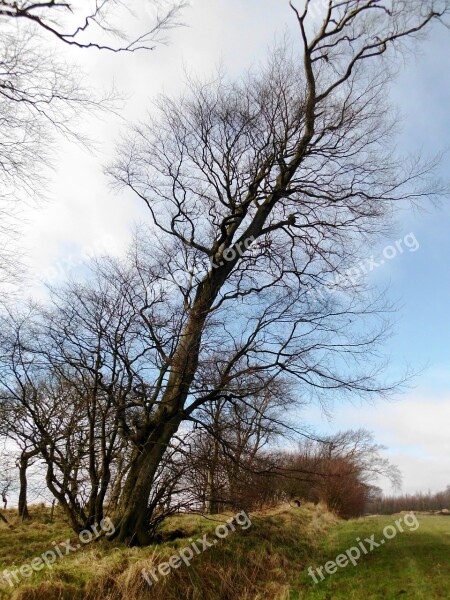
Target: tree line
(420, 501)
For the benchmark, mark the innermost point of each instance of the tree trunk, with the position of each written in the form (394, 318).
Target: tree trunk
(212, 501)
(132, 517)
(117, 486)
(23, 503)
(52, 512)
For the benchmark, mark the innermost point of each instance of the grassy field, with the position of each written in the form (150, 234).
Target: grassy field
(269, 560)
(414, 564)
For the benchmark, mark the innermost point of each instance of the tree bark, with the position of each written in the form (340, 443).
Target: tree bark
(132, 517)
(23, 493)
(212, 501)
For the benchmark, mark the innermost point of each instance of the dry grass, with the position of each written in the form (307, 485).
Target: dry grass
(251, 564)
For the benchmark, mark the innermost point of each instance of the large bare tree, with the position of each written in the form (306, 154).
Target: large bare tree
(259, 190)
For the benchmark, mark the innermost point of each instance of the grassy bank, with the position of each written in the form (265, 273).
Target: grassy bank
(257, 562)
(267, 560)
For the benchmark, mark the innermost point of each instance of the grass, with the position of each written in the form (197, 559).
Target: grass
(415, 564)
(268, 560)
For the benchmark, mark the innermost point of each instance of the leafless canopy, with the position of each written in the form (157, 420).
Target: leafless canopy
(42, 94)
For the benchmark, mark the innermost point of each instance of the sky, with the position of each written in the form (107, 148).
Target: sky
(83, 214)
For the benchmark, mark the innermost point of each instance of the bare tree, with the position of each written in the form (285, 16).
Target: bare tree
(73, 383)
(341, 471)
(424, 501)
(6, 479)
(297, 159)
(229, 438)
(351, 464)
(57, 400)
(20, 460)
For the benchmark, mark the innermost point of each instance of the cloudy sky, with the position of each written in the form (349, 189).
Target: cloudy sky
(84, 214)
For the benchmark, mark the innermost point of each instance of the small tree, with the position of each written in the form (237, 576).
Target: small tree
(340, 471)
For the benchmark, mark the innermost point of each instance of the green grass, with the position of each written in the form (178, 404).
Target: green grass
(22, 540)
(268, 560)
(415, 564)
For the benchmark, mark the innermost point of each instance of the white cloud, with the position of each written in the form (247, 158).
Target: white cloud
(414, 429)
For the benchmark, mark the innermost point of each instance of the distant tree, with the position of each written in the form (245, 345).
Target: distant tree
(340, 471)
(6, 476)
(351, 464)
(420, 501)
(226, 448)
